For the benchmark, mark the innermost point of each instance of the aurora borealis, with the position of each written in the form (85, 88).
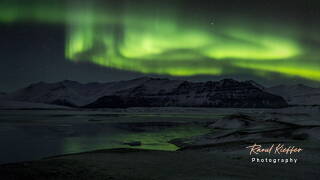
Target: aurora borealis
(175, 38)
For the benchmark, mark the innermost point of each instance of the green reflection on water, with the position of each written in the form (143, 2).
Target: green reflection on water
(155, 140)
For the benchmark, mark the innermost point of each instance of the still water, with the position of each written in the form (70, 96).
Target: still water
(30, 135)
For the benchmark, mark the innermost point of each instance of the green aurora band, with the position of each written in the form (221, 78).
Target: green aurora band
(161, 39)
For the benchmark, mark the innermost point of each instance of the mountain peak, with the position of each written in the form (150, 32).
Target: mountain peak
(228, 80)
(257, 85)
(67, 83)
(146, 78)
(302, 86)
(70, 81)
(35, 85)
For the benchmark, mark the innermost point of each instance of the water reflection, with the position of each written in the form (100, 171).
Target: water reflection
(29, 136)
(157, 140)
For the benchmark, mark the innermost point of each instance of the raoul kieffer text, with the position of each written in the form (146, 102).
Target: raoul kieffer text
(273, 149)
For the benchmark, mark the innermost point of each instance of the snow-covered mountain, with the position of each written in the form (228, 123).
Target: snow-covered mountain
(297, 94)
(150, 92)
(72, 93)
(63, 93)
(164, 92)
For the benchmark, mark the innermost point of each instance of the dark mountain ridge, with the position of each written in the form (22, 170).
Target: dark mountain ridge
(150, 92)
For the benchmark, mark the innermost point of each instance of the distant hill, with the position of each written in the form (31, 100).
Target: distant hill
(150, 92)
(297, 94)
(8, 104)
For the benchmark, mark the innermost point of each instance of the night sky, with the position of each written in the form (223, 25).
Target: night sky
(271, 42)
